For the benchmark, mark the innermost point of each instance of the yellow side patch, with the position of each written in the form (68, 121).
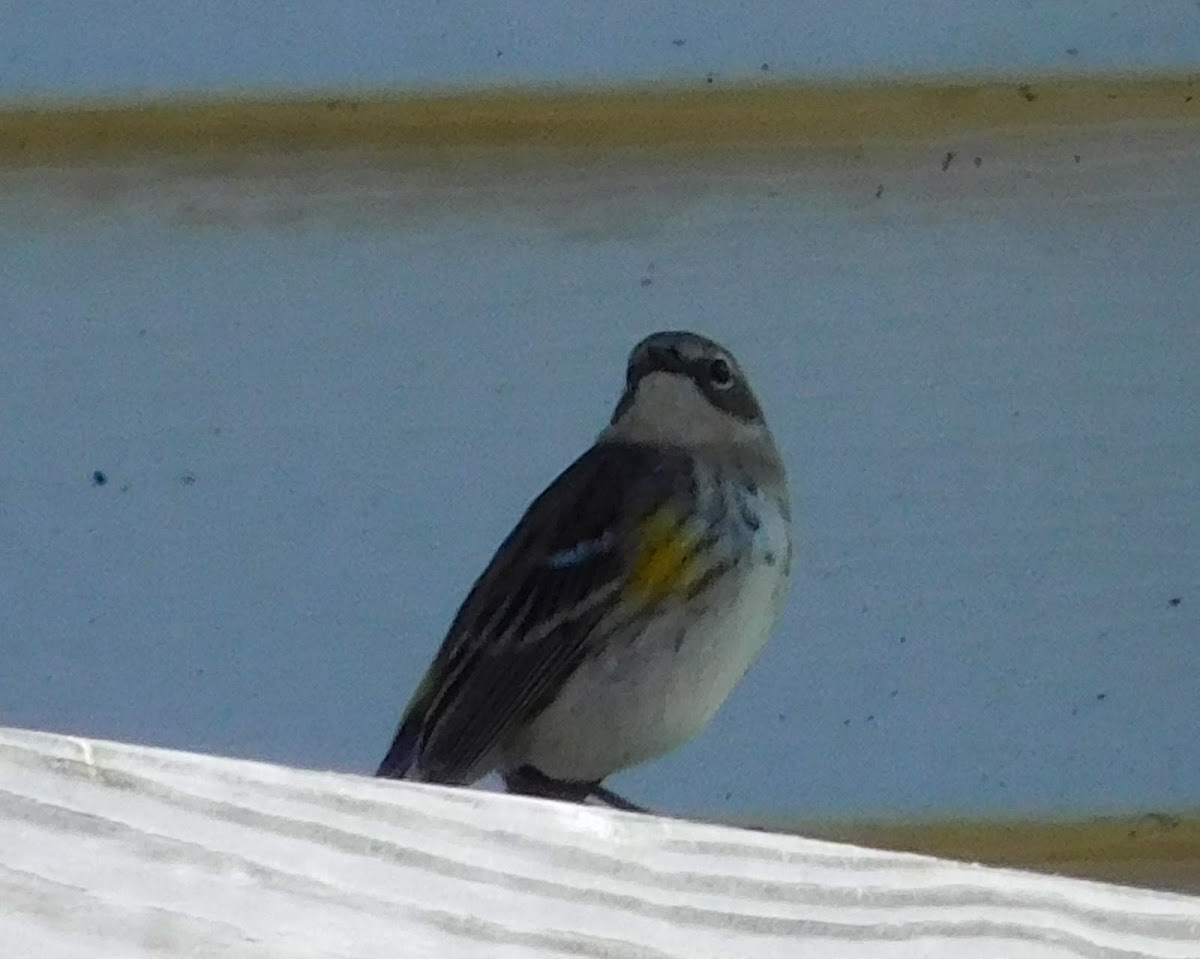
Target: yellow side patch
(666, 563)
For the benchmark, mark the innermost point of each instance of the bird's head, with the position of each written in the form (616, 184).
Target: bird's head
(683, 389)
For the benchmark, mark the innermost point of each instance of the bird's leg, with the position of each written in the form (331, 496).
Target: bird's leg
(527, 781)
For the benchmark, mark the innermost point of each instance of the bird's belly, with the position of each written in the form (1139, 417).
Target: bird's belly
(652, 693)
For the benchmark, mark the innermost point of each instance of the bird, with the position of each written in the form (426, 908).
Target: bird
(628, 601)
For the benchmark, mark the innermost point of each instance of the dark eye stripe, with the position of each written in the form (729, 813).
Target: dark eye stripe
(719, 373)
(734, 396)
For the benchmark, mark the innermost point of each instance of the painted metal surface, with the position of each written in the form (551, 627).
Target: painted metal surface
(266, 417)
(58, 48)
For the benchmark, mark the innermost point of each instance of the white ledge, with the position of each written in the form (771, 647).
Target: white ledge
(108, 849)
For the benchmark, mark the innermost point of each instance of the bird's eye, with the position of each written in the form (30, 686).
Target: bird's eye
(719, 374)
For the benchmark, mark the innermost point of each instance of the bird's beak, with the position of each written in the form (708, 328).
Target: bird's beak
(665, 357)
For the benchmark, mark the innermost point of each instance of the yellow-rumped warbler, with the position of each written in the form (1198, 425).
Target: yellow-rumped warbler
(631, 598)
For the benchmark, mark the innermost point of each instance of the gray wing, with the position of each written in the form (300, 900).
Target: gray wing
(525, 625)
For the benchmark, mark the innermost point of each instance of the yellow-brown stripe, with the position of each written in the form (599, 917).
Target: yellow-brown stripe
(707, 117)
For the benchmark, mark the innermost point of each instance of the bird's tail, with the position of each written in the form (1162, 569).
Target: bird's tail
(405, 747)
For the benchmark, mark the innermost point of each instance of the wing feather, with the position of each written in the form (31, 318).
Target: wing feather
(551, 586)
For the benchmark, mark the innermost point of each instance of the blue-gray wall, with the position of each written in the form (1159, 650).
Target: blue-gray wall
(320, 393)
(62, 47)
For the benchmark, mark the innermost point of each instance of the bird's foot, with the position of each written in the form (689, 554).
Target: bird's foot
(527, 781)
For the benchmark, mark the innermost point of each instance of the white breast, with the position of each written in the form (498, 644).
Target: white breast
(652, 693)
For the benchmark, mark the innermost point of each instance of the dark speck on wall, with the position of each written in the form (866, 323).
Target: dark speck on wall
(188, 478)
(1102, 696)
(679, 41)
(1175, 600)
(1076, 157)
(947, 160)
(979, 161)
(878, 191)
(1027, 92)
(765, 67)
(98, 478)
(708, 78)
(1072, 51)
